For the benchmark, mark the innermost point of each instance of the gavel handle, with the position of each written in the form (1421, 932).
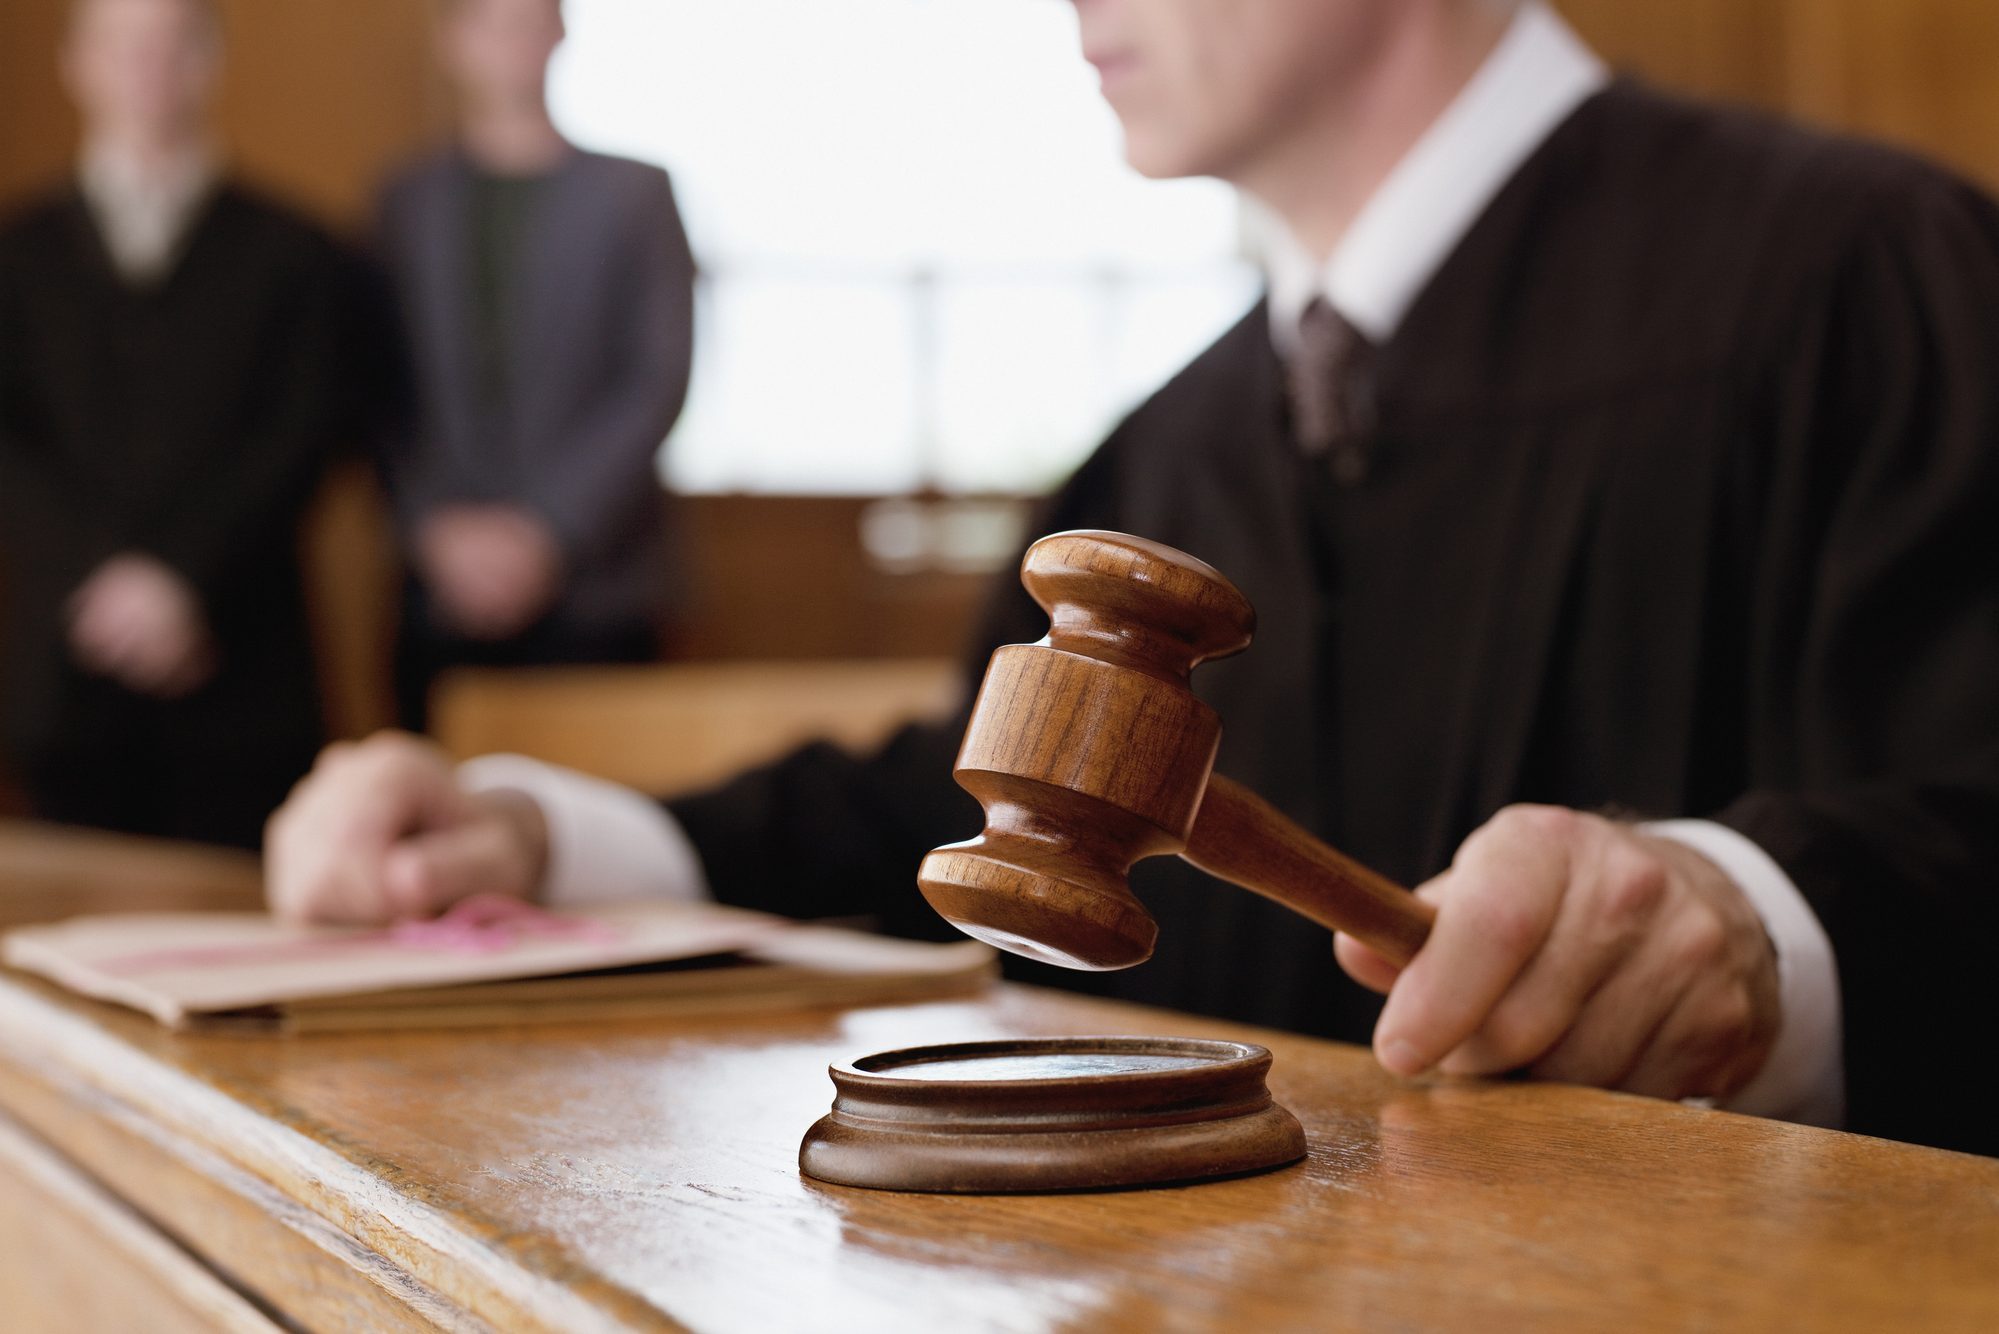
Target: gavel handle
(1243, 839)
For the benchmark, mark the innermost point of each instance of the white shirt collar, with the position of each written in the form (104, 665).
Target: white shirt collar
(144, 210)
(1533, 81)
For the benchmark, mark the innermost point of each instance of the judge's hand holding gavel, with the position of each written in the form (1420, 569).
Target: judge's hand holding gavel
(1582, 950)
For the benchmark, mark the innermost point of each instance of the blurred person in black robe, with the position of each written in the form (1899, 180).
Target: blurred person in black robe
(170, 379)
(1655, 477)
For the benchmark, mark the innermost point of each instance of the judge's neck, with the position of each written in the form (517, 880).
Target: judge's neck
(512, 136)
(1319, 175)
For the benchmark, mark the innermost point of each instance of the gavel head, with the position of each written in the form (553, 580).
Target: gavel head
(1088, 751)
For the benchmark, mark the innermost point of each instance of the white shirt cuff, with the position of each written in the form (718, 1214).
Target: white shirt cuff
(1805, 1077)
(606, 843)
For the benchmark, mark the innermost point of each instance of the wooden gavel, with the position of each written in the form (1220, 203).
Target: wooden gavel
(1089, 751)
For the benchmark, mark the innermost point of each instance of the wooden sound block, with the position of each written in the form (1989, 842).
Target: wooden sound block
(1046, 1114)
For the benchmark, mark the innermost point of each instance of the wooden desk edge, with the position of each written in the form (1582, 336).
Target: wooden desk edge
(526, 1281)
(47, 1032)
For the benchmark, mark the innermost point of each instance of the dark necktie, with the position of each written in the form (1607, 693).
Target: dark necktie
(1332, 409)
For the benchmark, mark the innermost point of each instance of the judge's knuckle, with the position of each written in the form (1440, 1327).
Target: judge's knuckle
(1545, 824)
(1633, 886)
(334, 755)
(342, 898)
(391, 755)
(1730, 1020)
(1422, 1015)
(1575, 1062)
(1701, 1055)
(1518, 1032)
(1504, 922)
(1701, 943)
(385, 747)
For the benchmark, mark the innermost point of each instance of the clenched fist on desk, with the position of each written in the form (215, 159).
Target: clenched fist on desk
(380, 831)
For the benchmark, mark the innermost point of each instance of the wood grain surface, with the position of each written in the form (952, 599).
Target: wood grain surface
(644, 1175)
(128, 1275)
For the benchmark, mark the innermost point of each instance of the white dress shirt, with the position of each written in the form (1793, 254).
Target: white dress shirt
(607, 843)
(1533, 81)
(144, 210)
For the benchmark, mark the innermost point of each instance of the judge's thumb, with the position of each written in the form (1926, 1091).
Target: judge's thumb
(427, 873)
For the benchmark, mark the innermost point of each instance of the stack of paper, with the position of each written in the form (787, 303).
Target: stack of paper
(487, 961)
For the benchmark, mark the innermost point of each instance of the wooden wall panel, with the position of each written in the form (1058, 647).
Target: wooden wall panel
(322, 96)
(1729, 49)
(1920, 73)
(1923, 73)
(37, 131)
(353, 583)
(319, 96)
(788, 577)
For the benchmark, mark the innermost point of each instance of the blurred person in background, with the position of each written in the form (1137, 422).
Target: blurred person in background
(547, 302)
(170, 377)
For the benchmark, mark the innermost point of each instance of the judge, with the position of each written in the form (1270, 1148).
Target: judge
(1596, 459)
(170, 379)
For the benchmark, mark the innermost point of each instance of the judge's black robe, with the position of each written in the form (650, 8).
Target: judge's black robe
(1681, 502)
(188, 420)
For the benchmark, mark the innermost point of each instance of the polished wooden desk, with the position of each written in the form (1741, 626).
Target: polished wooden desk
(643, 1175)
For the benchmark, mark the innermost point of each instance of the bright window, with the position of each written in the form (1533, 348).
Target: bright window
(925, 263)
